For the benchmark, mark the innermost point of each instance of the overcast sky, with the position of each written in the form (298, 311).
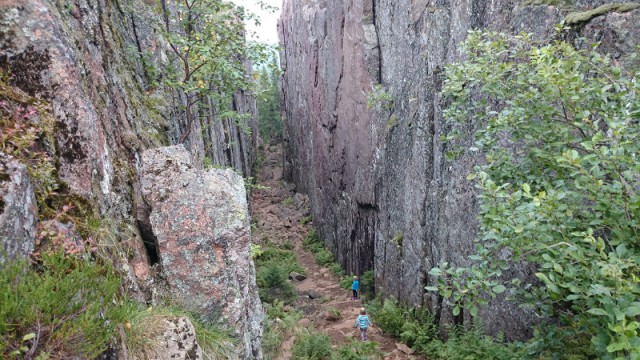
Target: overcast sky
(268, 30)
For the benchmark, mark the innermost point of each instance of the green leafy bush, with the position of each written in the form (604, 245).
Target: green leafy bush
(368, 284)
(279, 325)
(388, 315)
(565, 198)
(471, 344)
(273, 284)
(311, 242)
(311, 346)
(324, 257)
(273, 267)
(419, 329)
(282, 257)
(336, 269)
(358, 350)
(65, 309)
(345, 282)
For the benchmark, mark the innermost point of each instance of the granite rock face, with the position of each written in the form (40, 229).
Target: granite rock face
(201, 222)
(18, 210)
(363, 122)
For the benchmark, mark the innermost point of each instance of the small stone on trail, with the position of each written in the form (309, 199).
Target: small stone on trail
(296, 276)
(325, 274)
(324, 271)
(314, 295)
(404, 348)
(303, 322)
(287, 308)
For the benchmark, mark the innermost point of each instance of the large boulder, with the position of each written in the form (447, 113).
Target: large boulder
(201, 222)
(18, 210)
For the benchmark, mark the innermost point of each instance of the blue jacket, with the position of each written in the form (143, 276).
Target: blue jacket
(355, 285)
(363, 321)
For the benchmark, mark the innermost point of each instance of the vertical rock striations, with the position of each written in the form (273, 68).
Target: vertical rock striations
(201, 222)
(18, 210)
(363, 110)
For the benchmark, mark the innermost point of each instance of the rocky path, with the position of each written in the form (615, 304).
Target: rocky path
(329, 309)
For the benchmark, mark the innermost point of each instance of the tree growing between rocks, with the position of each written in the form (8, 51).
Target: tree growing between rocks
(558, 190)
(207, 41)
(268, 99)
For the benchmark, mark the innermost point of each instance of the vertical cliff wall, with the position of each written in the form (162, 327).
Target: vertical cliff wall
(363, 117)
(97, 64)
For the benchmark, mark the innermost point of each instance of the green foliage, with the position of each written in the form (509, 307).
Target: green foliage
(288, 201)
(358, 350)
(268, 101)
(256, 251)
(67, 303)
(312, 242)
(368, 284)
(336, 269)
(416, 327)
(397, 241)
(282, 256)
(280, 324)
(345, 282)
(420, 329)
(273, 267)
(305, 220)
(471, 344)
(558, 127)
(273, 284)
(388, 315)
(209, 53)
(380, 97)
(311, 346)
(324, 257)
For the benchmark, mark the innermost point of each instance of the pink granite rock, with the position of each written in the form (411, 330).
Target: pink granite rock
(201, 222)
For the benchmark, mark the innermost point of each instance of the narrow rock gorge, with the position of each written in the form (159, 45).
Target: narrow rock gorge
(363, 120)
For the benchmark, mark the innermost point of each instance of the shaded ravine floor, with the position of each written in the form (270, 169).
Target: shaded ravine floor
(278, 212)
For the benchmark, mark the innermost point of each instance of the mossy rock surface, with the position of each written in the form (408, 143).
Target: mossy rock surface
(584, 16)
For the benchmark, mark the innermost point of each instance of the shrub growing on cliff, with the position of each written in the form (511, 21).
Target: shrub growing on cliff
(559, 188)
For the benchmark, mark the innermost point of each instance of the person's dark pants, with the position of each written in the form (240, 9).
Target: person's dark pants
(355, 294)
(363, 334)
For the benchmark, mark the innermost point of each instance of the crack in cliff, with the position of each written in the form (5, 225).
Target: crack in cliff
(374, 17)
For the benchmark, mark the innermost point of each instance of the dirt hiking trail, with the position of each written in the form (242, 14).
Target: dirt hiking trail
(329, 309)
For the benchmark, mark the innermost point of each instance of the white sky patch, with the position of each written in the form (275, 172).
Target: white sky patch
(268, 30)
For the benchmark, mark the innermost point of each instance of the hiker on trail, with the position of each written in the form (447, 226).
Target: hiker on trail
(363, 322)
(355, 286)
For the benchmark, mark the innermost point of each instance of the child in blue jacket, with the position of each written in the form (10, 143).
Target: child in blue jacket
(363, 323)
(355, 286)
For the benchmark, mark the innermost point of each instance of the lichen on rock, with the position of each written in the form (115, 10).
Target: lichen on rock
(201, 222)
